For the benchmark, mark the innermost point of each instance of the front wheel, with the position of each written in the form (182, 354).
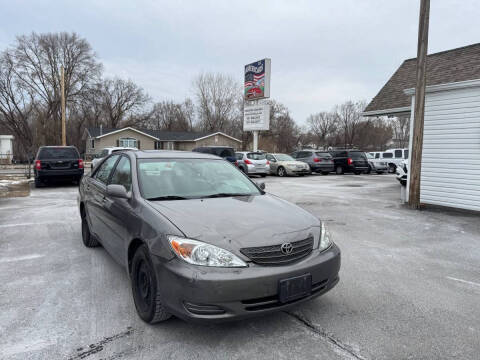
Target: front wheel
(281, 172)
(392, 168)
(339, 170)
(87, 237)
(146, 294)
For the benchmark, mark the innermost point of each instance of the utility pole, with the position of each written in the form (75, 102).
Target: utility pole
(419, 111)
(64, 134)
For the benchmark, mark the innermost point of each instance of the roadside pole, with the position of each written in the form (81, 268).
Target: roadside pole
(255, 140)
(64, 135)
(419, 111)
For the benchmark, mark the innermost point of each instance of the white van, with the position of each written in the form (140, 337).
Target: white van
(392, 157)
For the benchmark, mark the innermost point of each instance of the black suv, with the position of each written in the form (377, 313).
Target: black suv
(349, 161)
(57, 162)
(225, 152)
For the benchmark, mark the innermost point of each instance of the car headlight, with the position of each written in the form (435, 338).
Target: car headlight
(325, 238)
(200, 253)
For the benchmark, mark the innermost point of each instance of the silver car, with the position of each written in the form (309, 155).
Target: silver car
(283, 165)
(377, 165)
(253, 163)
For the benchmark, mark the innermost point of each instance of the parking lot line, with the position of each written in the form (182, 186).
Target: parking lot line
(464, 281)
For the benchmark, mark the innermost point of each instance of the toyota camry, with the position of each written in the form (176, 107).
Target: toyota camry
(202, 241)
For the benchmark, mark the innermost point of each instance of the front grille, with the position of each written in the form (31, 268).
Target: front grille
(273, 255)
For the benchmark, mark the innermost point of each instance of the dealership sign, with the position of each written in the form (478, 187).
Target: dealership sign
(256, 117)
(257, 80)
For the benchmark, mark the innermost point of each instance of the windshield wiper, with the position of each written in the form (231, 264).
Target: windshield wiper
(168, 197)
(226, 195)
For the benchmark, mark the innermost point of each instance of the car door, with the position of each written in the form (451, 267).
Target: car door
(118, 213)
(273, 163)
(96, 187)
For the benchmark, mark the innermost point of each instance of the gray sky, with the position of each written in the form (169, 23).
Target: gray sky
(323, 52)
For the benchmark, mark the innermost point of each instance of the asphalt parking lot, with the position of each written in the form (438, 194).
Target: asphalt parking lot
(409, 285)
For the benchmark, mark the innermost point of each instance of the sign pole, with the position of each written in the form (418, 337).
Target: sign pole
(62, 85)
(255, 140)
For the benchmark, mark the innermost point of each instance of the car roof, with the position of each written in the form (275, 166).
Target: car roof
(169, 154)
(57, 146)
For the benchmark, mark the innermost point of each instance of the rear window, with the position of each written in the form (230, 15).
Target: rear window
(256, 156)
(387, 155)
(58, 153)
(223, 152)
(323, 155)
(357, 155)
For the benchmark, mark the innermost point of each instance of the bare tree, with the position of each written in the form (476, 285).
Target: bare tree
(122, 100)
(217, 97)
(401, 130)
(171, 116)
(322, 125)
(349, 117)
(37, 59)
(15, 105)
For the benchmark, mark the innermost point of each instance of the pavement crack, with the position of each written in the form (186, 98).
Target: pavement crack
(323, 334)
(84, 352)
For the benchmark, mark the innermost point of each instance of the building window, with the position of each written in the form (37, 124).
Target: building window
(92, 143)
(127, 142)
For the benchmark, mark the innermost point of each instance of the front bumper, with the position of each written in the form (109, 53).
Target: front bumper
(220, 294)
(297, 171)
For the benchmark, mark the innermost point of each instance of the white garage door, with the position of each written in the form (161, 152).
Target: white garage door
(451, 149)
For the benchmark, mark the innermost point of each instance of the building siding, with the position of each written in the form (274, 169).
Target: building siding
(451, 149)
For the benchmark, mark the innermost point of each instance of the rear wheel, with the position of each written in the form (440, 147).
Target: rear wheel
(339, 170)
(146, 295)
(281, 171)
(87, 237)
(263, 175)
(379, 172)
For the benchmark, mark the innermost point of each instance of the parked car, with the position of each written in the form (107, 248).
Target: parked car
(401, 172)
(318, 160)
(253, 163)
(107, 151)
(57, 163)
(224, 152)
(346, 161)
(376, 165)
(283, 165)
(392, 157)
(190, 230)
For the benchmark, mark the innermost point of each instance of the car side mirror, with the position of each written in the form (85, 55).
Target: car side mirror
(117, 191)
(261, 185)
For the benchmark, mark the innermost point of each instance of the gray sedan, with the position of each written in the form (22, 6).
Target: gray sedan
(191, 231)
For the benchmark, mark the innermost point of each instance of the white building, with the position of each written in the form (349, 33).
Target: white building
(451, 145)
(6, 149)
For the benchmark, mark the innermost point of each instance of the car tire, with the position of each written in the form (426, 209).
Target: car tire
(339, 170)
(357, 172)
(369, 170)
(146, 295)
(325, 173)
(379, 172)
(281, 171)
(39, 183)
(87, 237)
(392, 168)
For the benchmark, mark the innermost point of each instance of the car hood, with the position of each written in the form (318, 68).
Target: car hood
(237, 222)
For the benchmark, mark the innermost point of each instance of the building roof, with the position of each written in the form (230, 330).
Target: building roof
(159, 134)
(449, 66)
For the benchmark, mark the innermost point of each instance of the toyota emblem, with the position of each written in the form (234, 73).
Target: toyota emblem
(286, 248)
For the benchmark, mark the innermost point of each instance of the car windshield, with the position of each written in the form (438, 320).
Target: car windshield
(357, 155)
(370, 156)
(284, 157)
(178, 179)
(58, 153)
(256, 156)
(324, 155)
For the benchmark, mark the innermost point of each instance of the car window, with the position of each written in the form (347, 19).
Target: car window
(256, 156)
(406, 154)
(357, 155)
(398, 154)
(377, 155)
(387, 155)
(284, 157)
(369, 156)
(239, 156)
(123, 174)
(191, 178)
(58, 153)
(323, 155)
(303, 154)
(103, 172)
(270, 157)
